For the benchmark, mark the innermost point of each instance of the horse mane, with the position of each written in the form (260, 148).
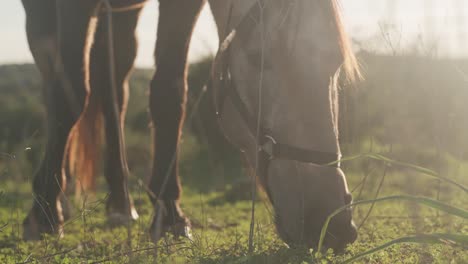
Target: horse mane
(350, 63)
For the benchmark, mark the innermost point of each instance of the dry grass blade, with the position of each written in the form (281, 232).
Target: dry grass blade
(451, 239)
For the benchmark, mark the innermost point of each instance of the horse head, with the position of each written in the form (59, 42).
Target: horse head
(275, 79)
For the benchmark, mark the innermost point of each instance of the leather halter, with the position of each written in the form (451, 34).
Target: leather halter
(225, 88)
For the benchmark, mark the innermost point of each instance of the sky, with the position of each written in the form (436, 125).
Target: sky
(441, 23)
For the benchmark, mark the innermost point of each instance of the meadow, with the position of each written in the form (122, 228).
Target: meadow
(403, 133)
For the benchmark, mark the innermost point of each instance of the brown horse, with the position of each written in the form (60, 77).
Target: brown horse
(275, 91)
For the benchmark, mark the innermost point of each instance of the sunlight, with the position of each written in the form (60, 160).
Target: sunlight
(128, 140)
(441, 21)
(432, 20)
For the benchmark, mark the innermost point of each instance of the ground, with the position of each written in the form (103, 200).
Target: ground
(221, 218)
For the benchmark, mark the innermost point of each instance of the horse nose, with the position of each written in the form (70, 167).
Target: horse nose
(348, 236)
(351, 235)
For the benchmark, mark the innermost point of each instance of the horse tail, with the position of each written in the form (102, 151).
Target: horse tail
(84, 146)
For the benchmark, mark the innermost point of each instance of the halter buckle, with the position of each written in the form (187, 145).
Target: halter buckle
(268, 147)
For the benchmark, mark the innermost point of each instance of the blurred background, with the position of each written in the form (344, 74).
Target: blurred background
(411, 105)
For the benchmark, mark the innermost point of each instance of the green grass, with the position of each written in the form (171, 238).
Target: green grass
(220, 215)
(382, 113)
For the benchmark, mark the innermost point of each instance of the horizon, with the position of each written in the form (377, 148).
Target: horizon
(441, 24)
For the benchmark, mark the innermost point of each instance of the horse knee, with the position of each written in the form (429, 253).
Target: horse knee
(125, 51)
(126, 47)
(125, 63)
(167, 99)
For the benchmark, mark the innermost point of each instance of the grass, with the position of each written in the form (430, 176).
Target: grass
(217, 200)
(395, 232)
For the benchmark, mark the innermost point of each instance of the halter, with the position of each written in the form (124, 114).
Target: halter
(225, 88)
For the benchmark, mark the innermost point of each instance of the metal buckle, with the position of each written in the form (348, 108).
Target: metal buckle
(268, 146)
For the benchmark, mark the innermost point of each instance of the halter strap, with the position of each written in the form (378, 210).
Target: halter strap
(268, 144)
(225, 88)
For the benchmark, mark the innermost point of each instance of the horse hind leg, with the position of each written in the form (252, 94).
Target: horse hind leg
(120, 209)
(65, 100)
(167, 104)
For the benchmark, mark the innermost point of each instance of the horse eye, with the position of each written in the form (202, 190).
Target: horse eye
(256, 57)
(348, 198)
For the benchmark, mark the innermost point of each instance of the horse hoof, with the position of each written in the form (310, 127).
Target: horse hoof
(122, 219)
(178, 230)
(182, 229)
(160, 226)
(33, 231)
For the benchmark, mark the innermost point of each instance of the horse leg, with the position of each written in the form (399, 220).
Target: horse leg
(41, 32)
(64, 102)
(167, 104)
(119, 207)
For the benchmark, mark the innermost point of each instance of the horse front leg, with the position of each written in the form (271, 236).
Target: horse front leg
(65, 96)
(167, 104)
(120, 209)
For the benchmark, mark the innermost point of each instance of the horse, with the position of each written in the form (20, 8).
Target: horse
(274, 83)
